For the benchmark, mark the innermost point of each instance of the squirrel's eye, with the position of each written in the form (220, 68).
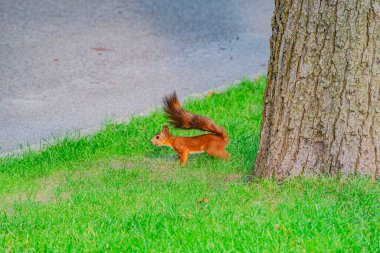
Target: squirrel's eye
(157, 137)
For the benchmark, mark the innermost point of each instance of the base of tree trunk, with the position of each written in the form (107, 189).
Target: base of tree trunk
(321, 110)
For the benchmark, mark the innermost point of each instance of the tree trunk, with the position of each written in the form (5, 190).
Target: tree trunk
(322, 108)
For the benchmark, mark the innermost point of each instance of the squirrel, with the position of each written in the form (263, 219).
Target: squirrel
(213, 144)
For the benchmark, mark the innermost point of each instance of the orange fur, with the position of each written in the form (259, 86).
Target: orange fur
(213, 144)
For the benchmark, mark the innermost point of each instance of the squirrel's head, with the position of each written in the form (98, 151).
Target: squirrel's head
(161, 139)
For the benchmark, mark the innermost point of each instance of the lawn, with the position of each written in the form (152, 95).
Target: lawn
(114, 191)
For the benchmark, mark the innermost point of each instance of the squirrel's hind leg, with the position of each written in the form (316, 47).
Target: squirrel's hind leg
(221, 153)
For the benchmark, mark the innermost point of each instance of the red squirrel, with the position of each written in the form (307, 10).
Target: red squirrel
(213, 144)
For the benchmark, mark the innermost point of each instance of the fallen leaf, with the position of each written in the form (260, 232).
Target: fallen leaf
(99, 49)
(211, 93)
(203, 200)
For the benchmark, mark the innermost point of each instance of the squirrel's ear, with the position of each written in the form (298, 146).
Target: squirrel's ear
(165, 129)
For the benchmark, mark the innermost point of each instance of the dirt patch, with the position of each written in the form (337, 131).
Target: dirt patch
(42, 191)
(233, 177)
(118, 164)
(48, 187)
(47, 190)
(8, 201)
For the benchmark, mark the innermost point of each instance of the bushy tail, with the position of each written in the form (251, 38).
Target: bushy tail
(182, 119)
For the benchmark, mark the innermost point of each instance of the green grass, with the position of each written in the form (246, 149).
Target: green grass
(115, 191)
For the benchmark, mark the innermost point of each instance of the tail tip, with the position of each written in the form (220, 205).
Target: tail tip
(172, 100)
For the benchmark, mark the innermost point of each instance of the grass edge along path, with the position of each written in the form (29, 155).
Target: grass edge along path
(114, 191)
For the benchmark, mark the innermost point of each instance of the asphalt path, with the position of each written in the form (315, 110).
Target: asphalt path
(68, 66)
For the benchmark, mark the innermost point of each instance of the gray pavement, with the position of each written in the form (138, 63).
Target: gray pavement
(69, 65)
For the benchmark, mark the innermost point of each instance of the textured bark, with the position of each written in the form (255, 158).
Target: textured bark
(322, 107)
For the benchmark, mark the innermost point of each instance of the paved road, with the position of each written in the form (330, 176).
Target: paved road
(69, 65)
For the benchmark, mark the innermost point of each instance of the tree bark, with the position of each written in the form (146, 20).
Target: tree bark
(321, 110)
